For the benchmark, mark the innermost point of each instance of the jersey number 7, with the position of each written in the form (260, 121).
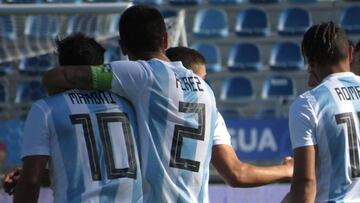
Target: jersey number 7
(352, 141)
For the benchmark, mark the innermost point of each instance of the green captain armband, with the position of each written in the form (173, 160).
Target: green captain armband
(101, 79)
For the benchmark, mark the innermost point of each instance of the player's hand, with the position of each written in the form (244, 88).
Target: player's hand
(10, 180)
(289, 163)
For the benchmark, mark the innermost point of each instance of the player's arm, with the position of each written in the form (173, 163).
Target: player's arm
(82, 77)
(303, 186)
(240, 174)
(28, 186)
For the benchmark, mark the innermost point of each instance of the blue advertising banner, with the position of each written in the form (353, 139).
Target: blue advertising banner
(260, 139)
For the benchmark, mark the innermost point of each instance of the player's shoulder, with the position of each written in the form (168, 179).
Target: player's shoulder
(305, 100)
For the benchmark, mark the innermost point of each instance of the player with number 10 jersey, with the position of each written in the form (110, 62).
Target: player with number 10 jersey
(90, 139)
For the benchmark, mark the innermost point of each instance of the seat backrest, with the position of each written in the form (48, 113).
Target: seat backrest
(278, 87)
(252, 21)
(244, 56)
(211, 22)
(237, 89)
(286, 56)
(36, 65)
(211, 54)
(185, 2)
(7, 27)
(349, 19)
(294, 21)
(264, 1)
(29, 91)
(87, 24)
(42, 26)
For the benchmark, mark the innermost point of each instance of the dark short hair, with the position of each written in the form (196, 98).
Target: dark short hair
(142, 29)
(189, 57)
(325, 44)
(78, 49)
(356, 55)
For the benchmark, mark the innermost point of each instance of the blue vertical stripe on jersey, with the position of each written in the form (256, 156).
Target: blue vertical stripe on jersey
(204, 190)
(336, 145)
(67, 140)
(154, 173)
(189, 148)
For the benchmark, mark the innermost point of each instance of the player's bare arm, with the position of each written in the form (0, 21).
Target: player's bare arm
(28, 188)
(303, 187)
(240, 174)
(68, 77)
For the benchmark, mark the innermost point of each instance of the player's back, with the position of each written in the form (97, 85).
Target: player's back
(93, 153)
(176, 112)
(336, 106)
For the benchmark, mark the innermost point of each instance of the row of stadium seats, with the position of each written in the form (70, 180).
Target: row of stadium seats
(234, 89)
(213, 22)
(209, 22)
(27, 92)
(242, 57)
(248, 57)
(172, 2)
(11, 133)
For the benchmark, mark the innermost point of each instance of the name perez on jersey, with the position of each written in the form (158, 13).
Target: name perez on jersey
(191, 83)
(348, 93)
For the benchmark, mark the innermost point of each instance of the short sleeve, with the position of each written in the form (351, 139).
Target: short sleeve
(221, 134)
(302, 123)
(130, 78)
(36, 137)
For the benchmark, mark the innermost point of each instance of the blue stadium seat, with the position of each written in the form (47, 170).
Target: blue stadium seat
(87, 24)
(42, 26)
(230, 114)
(103, 1)
(211, 23)
(185, 2)
(63, 1)
(7, 27)
(264, 1)
(21, 1)
(294, 21)
(36, 65)
(112, 54)
(2, 93)
(349, 19)
(266, 113)
(252, 22)
(244, 56)
(286, 56)
(237, 89)
(29, 91)
(11, 136)
(303, 1)
(6, 68)
(225, 2)
(148, 2)
(211, 54)
(278, 87)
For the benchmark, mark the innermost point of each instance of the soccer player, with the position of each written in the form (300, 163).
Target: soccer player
(88, 137)
(324, 122)
(175, 108)
(235, 172)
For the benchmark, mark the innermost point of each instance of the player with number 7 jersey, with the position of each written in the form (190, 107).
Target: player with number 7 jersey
(90, 137)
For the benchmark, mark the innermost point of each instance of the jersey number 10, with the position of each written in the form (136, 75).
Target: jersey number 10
(352, 141)
(103, 119)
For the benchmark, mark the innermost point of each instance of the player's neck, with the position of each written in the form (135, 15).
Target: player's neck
(148, 56)
(341, 67)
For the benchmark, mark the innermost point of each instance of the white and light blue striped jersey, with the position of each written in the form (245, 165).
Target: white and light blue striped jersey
(90, 137)
(176, 113)
(328, 116)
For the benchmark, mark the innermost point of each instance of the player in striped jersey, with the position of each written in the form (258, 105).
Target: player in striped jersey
(175, 108)
(235, 172)
(324, 122)
(88, 137)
